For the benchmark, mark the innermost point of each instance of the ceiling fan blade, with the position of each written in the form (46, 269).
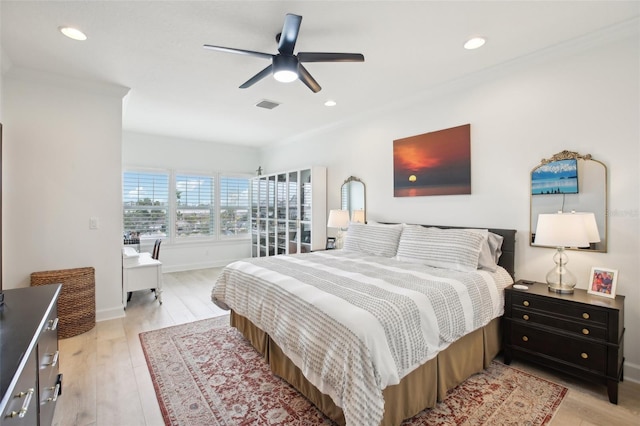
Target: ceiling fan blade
(256, 78)
(238, 51)
(289, 34)
(329, 57)
(306, 78)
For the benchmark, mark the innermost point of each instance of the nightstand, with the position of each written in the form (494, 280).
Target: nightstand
(579, 334)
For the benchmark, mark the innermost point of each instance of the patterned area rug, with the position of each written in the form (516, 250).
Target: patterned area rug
(206, 373)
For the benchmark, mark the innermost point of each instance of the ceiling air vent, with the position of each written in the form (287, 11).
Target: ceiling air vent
(267, 104)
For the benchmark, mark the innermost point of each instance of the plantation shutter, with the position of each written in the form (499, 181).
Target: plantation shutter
(145, 199)
(234, 205)
(195, 201)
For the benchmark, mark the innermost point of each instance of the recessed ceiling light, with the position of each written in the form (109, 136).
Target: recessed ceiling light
(73, 33)
(474, 43)
(330, 103)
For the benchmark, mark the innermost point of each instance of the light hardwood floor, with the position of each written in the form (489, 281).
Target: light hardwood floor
(107, 383)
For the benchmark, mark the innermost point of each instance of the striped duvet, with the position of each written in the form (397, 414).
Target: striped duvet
(356, 324)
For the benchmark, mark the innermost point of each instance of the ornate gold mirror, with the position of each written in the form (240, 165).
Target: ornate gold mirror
(570, 182)
(353, 199)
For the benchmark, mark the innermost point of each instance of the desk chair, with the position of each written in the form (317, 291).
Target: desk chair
(156, 249)
(156, 254)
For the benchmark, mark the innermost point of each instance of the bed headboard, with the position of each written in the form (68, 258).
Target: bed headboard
(508, 257)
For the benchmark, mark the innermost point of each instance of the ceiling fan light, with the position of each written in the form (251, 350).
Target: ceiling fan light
(285, 68)
(285, 76)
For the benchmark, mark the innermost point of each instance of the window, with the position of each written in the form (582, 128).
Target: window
(145, 200)
(194, 206)
(195, 202)
(234, 205)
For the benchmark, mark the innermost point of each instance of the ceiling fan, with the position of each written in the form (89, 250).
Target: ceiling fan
(286, 66)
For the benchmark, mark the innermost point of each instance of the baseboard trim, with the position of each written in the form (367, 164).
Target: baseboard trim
(193, 266)
(631, 372)
(109, 314)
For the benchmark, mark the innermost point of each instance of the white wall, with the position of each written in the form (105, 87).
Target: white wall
(62, 165)
(582, 97)
(144, 151)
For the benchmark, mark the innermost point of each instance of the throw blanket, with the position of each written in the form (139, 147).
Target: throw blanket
(356, 324)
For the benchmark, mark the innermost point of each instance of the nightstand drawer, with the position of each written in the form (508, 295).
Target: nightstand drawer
(580, 328)
(558, 307)
(579, 352)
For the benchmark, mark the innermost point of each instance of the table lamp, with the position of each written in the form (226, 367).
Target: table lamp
(592, 226)
(561, 230)
(357, 216)
(338, 219)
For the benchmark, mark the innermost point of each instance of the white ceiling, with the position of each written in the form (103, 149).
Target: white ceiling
(180, 89)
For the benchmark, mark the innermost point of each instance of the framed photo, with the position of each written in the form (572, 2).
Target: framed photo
(331, 243)
(603, 282)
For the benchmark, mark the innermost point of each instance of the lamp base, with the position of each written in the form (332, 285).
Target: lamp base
(339, 239)
(554, 288)
(560, 279)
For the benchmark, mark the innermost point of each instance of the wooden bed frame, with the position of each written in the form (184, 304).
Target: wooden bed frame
(420, 389)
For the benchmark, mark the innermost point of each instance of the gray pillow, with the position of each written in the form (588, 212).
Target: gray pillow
(490, 251)
(376, 240)
(456, 249)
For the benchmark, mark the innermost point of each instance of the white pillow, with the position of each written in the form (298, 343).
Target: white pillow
(457, 249)
(376, 240)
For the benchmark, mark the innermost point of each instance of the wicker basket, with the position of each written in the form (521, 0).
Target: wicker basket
(77, 301)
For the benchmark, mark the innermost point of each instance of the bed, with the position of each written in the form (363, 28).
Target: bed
(382, 329)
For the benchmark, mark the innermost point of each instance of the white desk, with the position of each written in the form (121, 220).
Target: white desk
(140, 272)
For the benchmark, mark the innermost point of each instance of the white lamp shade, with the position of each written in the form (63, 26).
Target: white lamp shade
(592, 226)
(357, 216)
(561, 230)
(338, 219)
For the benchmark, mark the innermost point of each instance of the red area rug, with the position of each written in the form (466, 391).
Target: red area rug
(206, 373)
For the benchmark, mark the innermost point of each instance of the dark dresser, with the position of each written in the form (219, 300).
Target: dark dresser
(579, 334)
(30, 382)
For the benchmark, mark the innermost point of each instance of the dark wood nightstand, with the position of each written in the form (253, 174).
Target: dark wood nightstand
(579, 334)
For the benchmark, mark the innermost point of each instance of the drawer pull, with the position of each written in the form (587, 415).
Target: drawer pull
(584, 355)
(25, 404)
(585, 315)
(53, 324)
(525, 339)
(525, 317)
(56, 392)
(585, 331)
(54, 360)
(525, 303)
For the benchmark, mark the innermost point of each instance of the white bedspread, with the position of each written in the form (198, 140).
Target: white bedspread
(356, 324)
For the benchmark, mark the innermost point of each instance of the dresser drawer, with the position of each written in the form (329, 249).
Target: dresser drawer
(558, 307)
(579, 352)
(22, 406)
(579, 328)
(48, 367)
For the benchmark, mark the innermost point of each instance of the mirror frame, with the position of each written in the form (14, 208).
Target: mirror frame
(570, 155)
(347, 181)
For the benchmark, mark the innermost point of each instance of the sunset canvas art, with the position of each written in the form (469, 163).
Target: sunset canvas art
(435, 163)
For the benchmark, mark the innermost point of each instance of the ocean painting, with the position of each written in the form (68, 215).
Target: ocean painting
(435, 163)
(556, 177)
